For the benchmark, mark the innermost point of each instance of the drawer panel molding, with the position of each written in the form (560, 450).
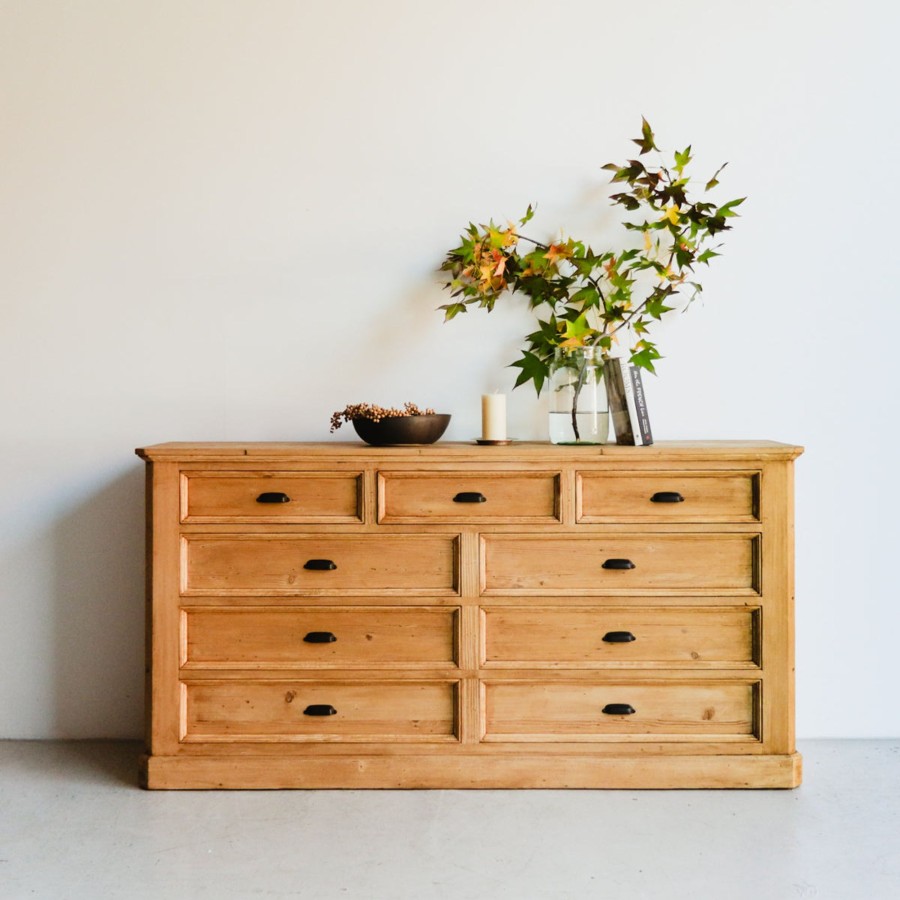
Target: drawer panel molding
(313, 637)
(494, 497)
(287, 564)
(297, 711)
(261, 497)
(591, 711)
(548, 564)
(615, 637)
(684, 497)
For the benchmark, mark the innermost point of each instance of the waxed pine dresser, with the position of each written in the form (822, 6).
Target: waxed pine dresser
(455, 616)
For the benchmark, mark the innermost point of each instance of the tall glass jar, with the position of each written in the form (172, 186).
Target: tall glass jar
(579, 411)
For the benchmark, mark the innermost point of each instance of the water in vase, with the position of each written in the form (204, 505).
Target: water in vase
(593, 428)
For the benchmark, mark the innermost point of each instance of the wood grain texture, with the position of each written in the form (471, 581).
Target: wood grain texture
(574, 711)
(251, 710)
(723, 496)
(469, 645)
(276, 564)
(567, 637)
(460, 772)
(411, 497)
(280, 637)
(311, 497)
(540, 564)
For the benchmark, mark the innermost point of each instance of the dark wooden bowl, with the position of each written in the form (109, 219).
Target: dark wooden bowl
(402, 429)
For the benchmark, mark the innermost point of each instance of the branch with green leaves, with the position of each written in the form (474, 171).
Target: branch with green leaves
(582, 297)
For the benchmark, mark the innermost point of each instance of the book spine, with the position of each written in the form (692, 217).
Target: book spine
(630, 405)
(640, 419)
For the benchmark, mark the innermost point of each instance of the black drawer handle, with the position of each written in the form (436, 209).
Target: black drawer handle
(619, 709)
(667, 497)
(320, 709)
(469, 497)
(321, 637)
(619, 637)
(618, 564)
(273, 497)
(319, 565)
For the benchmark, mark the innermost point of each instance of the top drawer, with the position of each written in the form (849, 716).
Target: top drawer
(726, 496)
(488, 497)
(248, 497)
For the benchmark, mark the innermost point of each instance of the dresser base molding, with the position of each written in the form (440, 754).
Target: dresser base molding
(475, 772)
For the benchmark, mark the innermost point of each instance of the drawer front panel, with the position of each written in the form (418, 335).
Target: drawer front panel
(615, 636)
(311, 565)
(472, 497)
(315, 637)
(271, 497)
(654, 497)
(320, 711)
(534, 711)
(727, 563)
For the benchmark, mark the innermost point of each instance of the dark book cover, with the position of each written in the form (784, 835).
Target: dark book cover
(618, 401)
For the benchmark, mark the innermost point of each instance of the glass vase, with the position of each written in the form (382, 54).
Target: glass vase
(579, 411)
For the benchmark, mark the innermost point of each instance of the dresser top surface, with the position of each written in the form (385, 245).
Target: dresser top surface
(469, 451)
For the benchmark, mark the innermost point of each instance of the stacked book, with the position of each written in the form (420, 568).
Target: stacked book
(627, 403)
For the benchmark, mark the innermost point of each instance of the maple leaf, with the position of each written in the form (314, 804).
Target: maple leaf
(671, 214)
(577, 332)
(557, 252)
(647, 140)
(533, 369)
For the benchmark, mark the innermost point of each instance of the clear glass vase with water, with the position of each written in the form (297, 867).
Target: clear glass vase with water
(579, 410)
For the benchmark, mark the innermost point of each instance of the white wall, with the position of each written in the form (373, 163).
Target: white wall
(221, 220)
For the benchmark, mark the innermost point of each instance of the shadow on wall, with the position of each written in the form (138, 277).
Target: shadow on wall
(98, 599)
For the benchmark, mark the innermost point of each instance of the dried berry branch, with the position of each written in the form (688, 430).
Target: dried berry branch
(375, 413)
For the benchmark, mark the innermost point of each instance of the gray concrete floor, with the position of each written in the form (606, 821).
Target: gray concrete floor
(74, 825)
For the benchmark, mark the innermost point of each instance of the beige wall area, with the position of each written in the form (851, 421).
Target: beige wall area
(222, 220)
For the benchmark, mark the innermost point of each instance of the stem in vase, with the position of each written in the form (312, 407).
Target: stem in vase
(579, 384)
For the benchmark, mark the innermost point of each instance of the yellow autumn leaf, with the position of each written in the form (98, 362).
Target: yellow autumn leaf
(648, 243)
(672, 214)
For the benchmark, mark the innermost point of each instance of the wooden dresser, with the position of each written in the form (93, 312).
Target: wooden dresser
(454, 616)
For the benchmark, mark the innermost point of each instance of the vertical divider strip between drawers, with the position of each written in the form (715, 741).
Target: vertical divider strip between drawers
(566, 496)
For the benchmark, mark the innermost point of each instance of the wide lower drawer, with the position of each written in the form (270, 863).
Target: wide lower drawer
(320, 711)
(582, 711)
(596, 564)
(469, 497)
(667, 497)
(313, 637)
(555, 637)
(318, 564)
(248, 497)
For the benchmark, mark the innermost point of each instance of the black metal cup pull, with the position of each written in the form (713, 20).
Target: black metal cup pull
(273, 497)
(320, 709)
(469, 497)
(618, 564)
(618, 637)
(320, 637)
(667, 497)
(319, 565)
(619, 709)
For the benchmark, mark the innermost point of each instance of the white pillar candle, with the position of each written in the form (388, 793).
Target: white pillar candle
(493, 417)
